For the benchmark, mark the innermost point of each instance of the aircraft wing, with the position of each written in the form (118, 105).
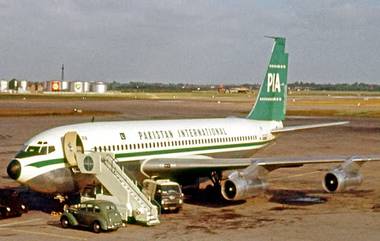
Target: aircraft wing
(243, 178)
(186, 166)
(304, 127)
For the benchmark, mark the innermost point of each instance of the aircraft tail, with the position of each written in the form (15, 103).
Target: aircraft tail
(271, 99)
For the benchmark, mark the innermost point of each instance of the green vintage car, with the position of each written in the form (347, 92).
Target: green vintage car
(98, 215)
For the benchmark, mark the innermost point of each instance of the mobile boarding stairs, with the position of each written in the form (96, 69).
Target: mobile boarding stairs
(127, 196)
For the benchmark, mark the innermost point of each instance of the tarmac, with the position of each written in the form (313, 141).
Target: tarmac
(272, 215)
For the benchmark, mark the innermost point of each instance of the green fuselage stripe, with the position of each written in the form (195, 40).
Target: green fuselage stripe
(158, 152)
(47, 162)
(187, 149)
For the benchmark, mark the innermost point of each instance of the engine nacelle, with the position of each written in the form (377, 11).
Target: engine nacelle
(338, 180)
(239, 188)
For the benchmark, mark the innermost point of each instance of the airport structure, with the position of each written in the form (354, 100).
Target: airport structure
(52, 86)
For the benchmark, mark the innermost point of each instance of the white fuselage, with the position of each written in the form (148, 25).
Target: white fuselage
(139, 141)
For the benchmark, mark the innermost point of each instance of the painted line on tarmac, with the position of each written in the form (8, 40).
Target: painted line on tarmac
(296, 175)
(16, 223)
(44, 234)
(5, 226)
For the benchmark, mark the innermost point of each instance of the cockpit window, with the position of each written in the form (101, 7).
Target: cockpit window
(35, 150)
(51, 149)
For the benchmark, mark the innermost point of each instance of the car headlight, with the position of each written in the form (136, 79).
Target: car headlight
(8, 209)
(180, 201)
(22, 206)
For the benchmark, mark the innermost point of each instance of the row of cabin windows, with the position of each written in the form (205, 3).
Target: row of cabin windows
(173, 143)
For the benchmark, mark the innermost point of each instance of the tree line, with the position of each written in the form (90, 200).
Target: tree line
(135, 86)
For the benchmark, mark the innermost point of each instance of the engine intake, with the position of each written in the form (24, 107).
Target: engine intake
(239, 188)
(338, 180)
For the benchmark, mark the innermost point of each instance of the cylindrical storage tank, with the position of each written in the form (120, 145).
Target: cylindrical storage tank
(54, 85)
(3, 85)
(23, 85)
(64, 86)
(76, 86)
(99, 87)
(45, 85)
(86, 86)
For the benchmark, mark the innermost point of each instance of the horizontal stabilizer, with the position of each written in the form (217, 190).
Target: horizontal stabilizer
(304, 127)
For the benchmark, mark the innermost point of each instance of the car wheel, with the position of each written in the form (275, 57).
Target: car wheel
(65, 222)
(24, 208)
(96, 227)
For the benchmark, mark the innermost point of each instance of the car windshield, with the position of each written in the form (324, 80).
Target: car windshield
(110, 208)
(170, 188)
(36, 150)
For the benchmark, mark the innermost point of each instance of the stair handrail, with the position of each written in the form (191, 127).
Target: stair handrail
(115, 168)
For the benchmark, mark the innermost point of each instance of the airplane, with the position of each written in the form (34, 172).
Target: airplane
(184, 149)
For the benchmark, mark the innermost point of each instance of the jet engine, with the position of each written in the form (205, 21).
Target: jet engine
(338, 180)
(238, 187)
(245, 183)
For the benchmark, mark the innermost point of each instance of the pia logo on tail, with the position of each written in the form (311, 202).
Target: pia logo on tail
(273, 83)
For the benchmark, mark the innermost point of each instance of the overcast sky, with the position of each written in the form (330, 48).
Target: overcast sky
(195, 41)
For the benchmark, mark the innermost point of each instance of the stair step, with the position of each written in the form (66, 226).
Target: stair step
(138, 200)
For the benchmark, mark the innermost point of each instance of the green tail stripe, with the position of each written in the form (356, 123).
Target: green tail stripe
(271, 100)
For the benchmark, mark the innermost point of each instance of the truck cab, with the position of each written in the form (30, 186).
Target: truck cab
(166, 193)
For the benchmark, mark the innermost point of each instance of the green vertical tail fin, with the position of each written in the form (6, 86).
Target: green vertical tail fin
(271, 99)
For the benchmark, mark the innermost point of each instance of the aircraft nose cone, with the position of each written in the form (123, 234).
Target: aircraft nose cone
(14, 169)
